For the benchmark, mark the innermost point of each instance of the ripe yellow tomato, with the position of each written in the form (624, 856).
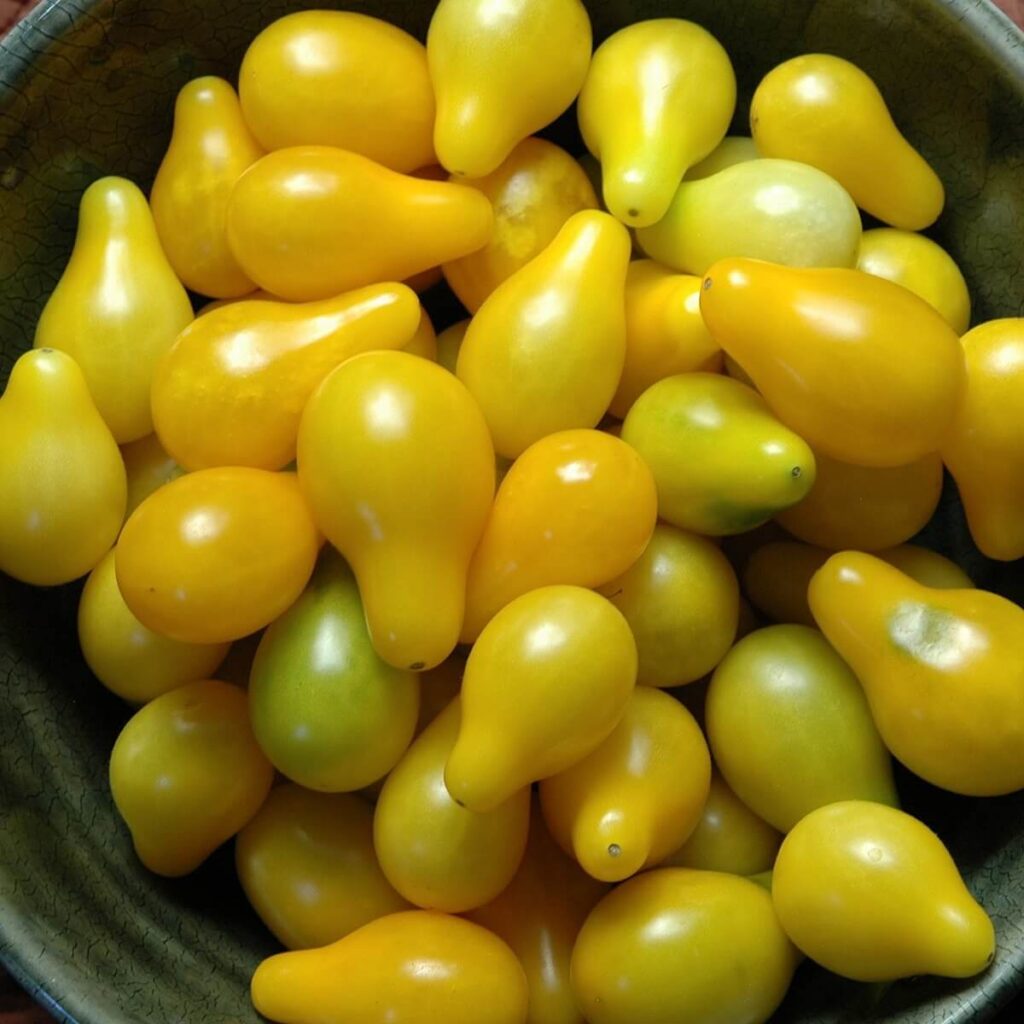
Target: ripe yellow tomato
(435, 852)
(681, 600)
(126, 657)
(307, 864)
(186, 774)
(534, 192)
(217, 554)
(822, 744)
(62, 480)
(675, 945)
(729, 837)
(337, 78)
(415, 967)
(872, 894)
(576, 507)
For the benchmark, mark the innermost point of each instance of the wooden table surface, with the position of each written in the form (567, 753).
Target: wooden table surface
(15, 1006)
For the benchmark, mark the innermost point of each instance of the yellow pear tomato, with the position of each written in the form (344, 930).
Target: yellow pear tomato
(127, 658)
(118, 306)
(311, 222)
(307, 865)
(872, 894)
(573, 659)
(636, 797)
(500, 73)
(658, 97)
(537, 188)
(414, 966)
(729, 837)
(545, 351)
(186, 774)
(210, 148)
(327, 711)
(676, 945)
(861, 368)
(943, 670)
(61, 475)
(826, 112)
(822, 744)
(397, 464)
(681, 600)
(722, 462)
(984, 449)
(437, 853)
(338, 78)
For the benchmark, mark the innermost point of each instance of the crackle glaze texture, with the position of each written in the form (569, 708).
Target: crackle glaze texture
(86, 89)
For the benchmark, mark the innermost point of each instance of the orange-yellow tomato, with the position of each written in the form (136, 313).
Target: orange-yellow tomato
(337, 78)
(665, 333)
(127, 658)
(985, 447)
(210, 147)
(411, 968)
(576, 507)
(186, 774)
(861, 368)
(217, 554)
(311, 222)
(865, 507)
(534, 192)
(539, 915)
(307, 864)
(232, 388)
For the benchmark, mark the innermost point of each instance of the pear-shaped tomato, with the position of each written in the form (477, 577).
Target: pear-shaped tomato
(790, 728)
(326, 709)
(307, 864)
(721, 461)
(61, 475)
(414, 966)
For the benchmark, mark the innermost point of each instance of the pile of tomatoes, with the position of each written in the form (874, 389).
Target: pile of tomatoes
(447, 630)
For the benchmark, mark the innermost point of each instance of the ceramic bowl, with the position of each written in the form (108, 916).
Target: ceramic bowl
(86, 89)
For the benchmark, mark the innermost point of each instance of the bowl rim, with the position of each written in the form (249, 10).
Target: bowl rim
(997, 36)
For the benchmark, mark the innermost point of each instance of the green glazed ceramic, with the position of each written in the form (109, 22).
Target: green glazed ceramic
(86, 89)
